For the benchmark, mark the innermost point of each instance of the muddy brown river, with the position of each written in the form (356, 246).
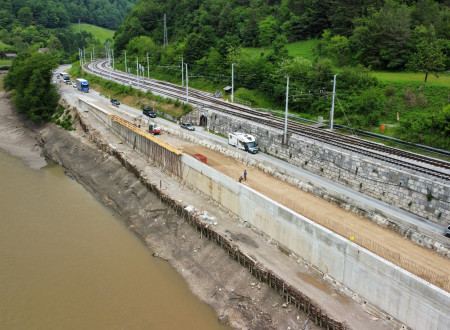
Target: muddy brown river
(67, 262)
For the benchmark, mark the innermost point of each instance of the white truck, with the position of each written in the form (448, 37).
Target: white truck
(243, 141)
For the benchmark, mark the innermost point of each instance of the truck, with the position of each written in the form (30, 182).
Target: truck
(153, 128)
(83, 85)
(243, 141)
(65, 76)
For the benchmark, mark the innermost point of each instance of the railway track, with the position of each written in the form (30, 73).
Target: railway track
(432, 167)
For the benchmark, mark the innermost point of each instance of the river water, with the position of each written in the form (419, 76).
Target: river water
(67, 262)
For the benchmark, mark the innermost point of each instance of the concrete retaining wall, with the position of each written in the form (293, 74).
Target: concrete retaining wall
(406, 297)
(426, 197)
(399, 293)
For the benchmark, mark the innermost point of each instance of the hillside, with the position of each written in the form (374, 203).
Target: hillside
(309, 42)
(32, 24)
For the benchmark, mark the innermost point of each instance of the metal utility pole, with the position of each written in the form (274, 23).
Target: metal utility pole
(187, 85)
(126, 61)
(84, 56)
(148, 67)
(232, 82)
(286, 112)
(332, 103)
(79, 55)
(166, 40)
(137, 71)
(182, 73)
(112, 50)
(109, 56)
(93, 53)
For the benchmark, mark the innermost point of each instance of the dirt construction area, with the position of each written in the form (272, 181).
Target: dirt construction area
(401, 251)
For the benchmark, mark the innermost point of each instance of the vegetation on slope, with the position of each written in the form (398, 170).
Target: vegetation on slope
(29, 81)
(308, 41)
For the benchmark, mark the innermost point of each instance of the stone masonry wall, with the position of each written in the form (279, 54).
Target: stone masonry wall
(426, 197)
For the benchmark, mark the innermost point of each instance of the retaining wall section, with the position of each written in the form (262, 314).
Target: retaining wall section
(164, 155)
(401, 294)
(406, 297)
(424, 196)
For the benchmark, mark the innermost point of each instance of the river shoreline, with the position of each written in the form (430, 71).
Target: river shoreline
(213, 277)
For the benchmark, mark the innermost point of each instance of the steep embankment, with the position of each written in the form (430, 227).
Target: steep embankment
(206, 267)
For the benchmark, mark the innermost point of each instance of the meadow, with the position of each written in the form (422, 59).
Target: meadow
(99, 33)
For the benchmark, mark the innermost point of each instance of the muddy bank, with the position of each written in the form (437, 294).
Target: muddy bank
(212, 275)
(17, 135)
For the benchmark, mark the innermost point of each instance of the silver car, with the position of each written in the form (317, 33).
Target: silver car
(188, 126)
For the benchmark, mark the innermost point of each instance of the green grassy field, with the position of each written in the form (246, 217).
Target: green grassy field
(308, 49)
(412, 77)
(98, 32)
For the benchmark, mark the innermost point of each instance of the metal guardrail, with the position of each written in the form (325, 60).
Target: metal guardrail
(247, 103)
(388, 138)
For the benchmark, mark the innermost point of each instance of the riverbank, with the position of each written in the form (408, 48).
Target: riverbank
(215, 278)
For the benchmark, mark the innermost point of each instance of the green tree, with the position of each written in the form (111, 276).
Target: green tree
(381, 39)
(25, 16)
(267, 31)
(337, 47)
(279, 51)
(29, 79)
(428, 56)
(195, 48)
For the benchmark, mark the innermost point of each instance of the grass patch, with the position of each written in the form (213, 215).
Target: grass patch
(99, 33)
(412, 78)
(5, 62)
(305, 49)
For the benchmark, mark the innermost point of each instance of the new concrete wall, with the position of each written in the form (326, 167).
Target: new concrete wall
(399, 293)
(406, 297)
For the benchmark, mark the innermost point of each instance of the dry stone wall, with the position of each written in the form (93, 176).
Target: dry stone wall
(424, 196)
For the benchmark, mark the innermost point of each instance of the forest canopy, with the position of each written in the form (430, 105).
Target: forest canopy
(382, 34)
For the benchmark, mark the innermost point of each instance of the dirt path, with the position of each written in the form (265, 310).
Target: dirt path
(401, 251)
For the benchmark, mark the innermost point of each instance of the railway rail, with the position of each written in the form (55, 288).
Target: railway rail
(432, 167)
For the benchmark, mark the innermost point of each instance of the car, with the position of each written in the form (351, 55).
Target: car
(74, 86)
(187, 126)
(447, 231)
(115, 102)
(149, 112)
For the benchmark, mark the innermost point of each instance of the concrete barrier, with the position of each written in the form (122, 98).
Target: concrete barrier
(408, 298)
(100, 113)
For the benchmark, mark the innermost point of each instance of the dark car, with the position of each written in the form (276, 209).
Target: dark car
(149, 112)
(115, 102)
(187, 126)
(447, 231)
